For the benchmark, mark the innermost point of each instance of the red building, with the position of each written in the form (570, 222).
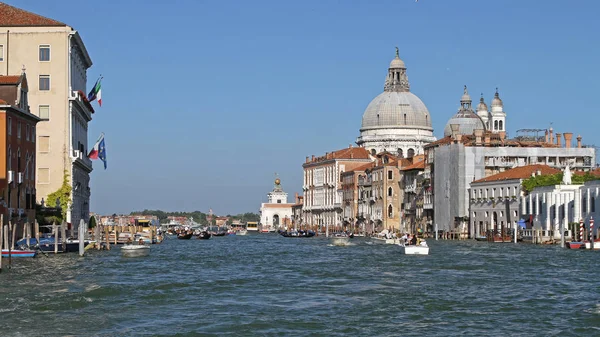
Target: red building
(17, 151)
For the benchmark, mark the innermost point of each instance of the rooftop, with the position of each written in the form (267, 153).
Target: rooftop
(347, 153)
(15, 17)
(522, 172)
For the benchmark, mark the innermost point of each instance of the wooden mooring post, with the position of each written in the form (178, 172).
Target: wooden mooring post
(1, 238)
(55, 231)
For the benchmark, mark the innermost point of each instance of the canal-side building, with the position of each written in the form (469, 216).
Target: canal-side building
(396, 120)
(276, 213)
(471, 152)
(322, 185)
(351, 190)
(56, 60)
(413, 183)
(387, 195)
(495, 201)
(297, 220)
(17, 144)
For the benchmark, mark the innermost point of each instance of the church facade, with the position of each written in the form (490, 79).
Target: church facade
(276, 213)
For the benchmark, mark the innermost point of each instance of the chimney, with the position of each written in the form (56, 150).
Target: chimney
(547, 136)
(551, 136)
(568, 139)
(558, 139)
(349, 146)
(326, 155)
(502, 135)
(478, 134)
(313, 157)
(454, 130)
(538, 172)
(296, 197)
(579, 142)
(306, 159)
(351, 155)
(487, 139)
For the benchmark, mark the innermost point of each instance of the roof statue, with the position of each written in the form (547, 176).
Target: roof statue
(566, 176)
(397, 52)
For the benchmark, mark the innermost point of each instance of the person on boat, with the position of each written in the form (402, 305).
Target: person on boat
(141, 242)
(413, 240)
(129, 241)
(404, 237)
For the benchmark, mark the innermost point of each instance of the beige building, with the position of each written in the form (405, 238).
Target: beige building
(56, 61)
(323, 189)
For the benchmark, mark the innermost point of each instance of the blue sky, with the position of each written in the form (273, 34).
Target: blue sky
(203, 101)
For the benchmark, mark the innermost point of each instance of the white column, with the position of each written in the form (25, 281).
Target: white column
(577, 206)
(548, 203)
(566, 203)
(523, 203)
(588, 202)
(531, 204)
(537, 205)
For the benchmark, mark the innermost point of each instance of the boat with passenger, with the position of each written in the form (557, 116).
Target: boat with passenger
(297, 233)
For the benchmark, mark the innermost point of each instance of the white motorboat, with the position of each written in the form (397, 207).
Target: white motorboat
(420, 249)
(340, 240)
(135, 250)
(384, 240)
(242, 232)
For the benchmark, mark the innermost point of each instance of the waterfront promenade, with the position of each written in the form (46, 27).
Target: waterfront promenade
(268, 285)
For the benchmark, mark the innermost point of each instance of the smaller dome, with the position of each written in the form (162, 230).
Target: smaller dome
(397, 63)
(497, 102)
(468, 122)
(482, 106)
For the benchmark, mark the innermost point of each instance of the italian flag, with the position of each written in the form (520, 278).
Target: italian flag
(96, 92)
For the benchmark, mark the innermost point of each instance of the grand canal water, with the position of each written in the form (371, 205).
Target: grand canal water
(268, 285)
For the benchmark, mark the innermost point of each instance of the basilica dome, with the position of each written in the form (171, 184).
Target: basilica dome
(466, 119)
(392, 109)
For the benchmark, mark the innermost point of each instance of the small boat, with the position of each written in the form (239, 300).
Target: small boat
(420, 249)
(242, 232)
(135, 250)
(575, 245)
(185, 236)
(19, 253)
(588, 244)
(340, 240)
(481, 238)
(204, 235)
(297, 234)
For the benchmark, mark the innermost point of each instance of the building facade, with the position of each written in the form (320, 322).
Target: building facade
(396, 121)
(322, 185)
(413, 184)
(276, 213)
(56, 61)
(17, 143)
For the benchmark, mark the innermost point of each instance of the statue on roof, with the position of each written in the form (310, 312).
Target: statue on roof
(397, 52)
(566, 176)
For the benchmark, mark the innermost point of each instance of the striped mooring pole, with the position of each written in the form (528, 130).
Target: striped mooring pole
(581, 230)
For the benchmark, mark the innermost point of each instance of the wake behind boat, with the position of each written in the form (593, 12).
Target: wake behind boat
(128, 250)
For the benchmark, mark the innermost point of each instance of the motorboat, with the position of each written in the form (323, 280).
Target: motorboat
(576, 245)
(420, 249)
(242, 232)
(184, 236)
(340, 240)
(19, 253)
(128, 250)
(297, 234)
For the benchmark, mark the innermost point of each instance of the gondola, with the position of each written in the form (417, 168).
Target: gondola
(185, 236)
(204, 235)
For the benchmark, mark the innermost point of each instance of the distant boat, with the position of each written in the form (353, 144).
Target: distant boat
(576, 245)
(242, 232)
(19, 253)
(185, 236)
(297, 234)
(135, 250)
(204, 235)
(420, 249)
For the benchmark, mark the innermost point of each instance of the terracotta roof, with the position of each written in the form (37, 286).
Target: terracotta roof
(15, 17)
(347, 153)
(419, 165)
(522, 172)
(364, 167)
(10, 79)
(442, 141)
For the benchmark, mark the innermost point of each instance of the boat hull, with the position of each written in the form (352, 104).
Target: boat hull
(19, 253)
(415, 250)
(588, 245)
(384, 241)
(135, 250)
(575, 245)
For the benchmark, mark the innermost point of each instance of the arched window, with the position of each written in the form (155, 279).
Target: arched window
(390, 211)
(411, 153)
(495, 125)
(400, 153)
(500, 126)
(390, 192)
(404, 119)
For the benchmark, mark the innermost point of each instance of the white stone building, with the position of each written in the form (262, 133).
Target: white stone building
(396, 121)
(276, 213)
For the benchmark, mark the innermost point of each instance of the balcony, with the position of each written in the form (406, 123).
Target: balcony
(80, 158)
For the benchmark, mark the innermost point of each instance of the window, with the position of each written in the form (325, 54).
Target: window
(390, 192)
(390, 175)
(279, 201)
(18, 129)
(9, 126)
(33, 133)
(44, 112)
(44, 143)
(1, 52)
(390, 211)
(44, 82)
(43, 175)
(44, 53)
(500, 126)
(27, 132)
(9, 164)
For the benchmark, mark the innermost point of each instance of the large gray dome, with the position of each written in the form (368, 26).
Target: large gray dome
(392, 109)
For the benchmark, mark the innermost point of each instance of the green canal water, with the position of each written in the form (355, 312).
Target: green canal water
(268, 285)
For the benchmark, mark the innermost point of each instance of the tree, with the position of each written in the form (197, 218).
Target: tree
(62, 195)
